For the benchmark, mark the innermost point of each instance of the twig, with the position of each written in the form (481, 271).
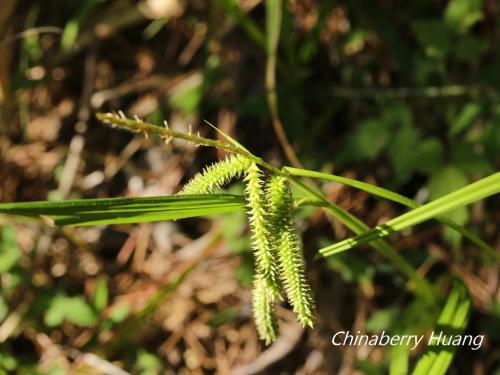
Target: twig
(407, 92)
(272, 99)
(78, 142)
(30, 32)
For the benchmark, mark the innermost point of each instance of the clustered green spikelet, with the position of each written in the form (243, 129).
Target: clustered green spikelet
(264, 256)
(217, 175)
(276, 244)
(264, 311)
(291, 260)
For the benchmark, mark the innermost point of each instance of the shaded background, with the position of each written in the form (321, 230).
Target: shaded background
(400, 94)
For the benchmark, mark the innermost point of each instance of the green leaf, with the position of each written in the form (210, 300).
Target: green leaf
(370, 137)
(100, 295)
(428, 155)
(452, 321)
(469, 49)
(402, 152)
(392, 196)
(382, 319)
(127, 210)
(352, 268)
(469, 157)
(248, 24)
(478, 190)
(9, 252)
(400, 355)
(4, 309)
(465, 118)
(422, 288)
(187, 95)
(73, 309)
(443, 182)
(433, 36)
(460, 15)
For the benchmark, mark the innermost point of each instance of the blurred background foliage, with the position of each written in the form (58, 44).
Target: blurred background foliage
(400, 94)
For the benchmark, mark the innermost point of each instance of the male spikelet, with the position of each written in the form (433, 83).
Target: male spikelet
(289, 246)
(265, 258)
(217, 175)
(264, 311)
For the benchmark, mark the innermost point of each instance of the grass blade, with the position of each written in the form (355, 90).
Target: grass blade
(369, 188)
(478, 190)
(422, 286)
(452, 321)
(231, 8)
(400, 356)
(127, 210)
(392, 196)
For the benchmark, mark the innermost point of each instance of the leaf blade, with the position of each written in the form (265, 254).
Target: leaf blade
(392, 196)
(478, 190)
(100, 211)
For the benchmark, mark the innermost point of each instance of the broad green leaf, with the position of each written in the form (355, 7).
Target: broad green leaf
(460, 15)
(127, 210)
(469, 49)
(402, 152)
(470, 158)
(434, 36)
(428, 155)
(73, 309)
(392, 196)
(452, 321)
(381, 320)
(368, 140)
(352, 268)
(473, 192)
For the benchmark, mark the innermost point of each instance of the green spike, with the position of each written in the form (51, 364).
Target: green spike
(289, 248)
(217, 175)
(264, 311)
(265, 258)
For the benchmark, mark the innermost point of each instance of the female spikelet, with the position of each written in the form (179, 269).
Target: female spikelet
(217, 175)
(289, 249)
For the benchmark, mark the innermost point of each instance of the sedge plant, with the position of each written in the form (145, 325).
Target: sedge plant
(280, 266)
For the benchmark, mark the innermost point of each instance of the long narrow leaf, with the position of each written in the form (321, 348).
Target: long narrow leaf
(392, 196)
(452, 321)
(127, 210)
(422, 286)
(478, 190)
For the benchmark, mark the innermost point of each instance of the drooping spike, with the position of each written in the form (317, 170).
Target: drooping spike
(289, 248)
(266, 264)
(217, 175)
(264, 311)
